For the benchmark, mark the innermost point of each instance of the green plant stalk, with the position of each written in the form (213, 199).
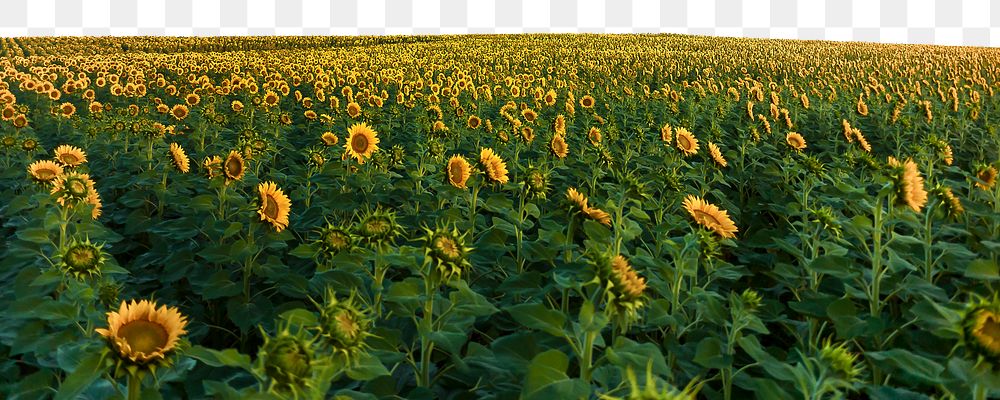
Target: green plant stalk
(379, 276)
(928, 239)
(472, 209)
(248, 265)
(569, 238)
(427, 322)
(134, 387)
(586, 364)
(874, 294)
(519, 233)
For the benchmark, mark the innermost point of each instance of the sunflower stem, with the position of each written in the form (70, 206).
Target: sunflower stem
(134, 387)
(586, 364)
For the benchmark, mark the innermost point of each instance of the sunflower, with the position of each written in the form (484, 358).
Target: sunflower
(143, 334)
(667, 134)
(987, 176)
(44, 171)
(587, 101)
(192, 99)
(181, 160)
(67, 110)
(448, 250)
(594, 136)
(237, 106)
(558, 146)
(335, 239)
(686, 142)
(795, 140)
(213, 166)
(950, 203)
(343, 325)
(495, 167)
(909, 184)
(981, 329)
(474, 122)
(234, 167)
(271, 99)
(716, 154)
(536, 182)
(179, 112)
(362, 142)
(72, 188)
(353, 109)
(625, 279)
(379, 227)
(329, 138)
(29, 145)
(458, 171)
(550, 97)
(274, 205)
(70, 156)
(710, 216)
(288, 360)
(579, 203)
(529, 115)
(81, 259)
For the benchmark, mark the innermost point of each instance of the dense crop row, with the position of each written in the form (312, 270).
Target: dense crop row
(535, 216)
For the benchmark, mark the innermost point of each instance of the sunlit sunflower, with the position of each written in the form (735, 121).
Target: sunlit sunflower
(212, 166)
(710, 216)
(237, 106)
(180, 158)
(474, 122)
(716, 154)
(274, 205)
(667, 134)
(329, 138)
(72, 188)
(558, 146)
(909, 184)
(179, 112)
(579, 204)
(353, 109)
(495, 167)
(141, 333)
(70, 156)
(362, 142)
(981, 329)
(795, 140)
(234, 166)
(44, 171)
(587, 101)
(686, 142)
(271, 99)
(459, 171)
(594, 136)
(67, 110)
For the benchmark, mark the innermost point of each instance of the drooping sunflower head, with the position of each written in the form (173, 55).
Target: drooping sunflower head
(594, 136)
(908, 183)
(362, 142)
(379, 228)
(458, 171)
(329, 138)
(494, 166)
(558, 146)
(559, 125)
(710, 216)
(667, 134)
(716, 154)
(315, 157)
(623, 287)
(344, 325)
(795, 140)
(274, 205)
(447, 248)
(44, 171)
(577, 201)
(234, 167)
(212, 166)
(81, 259)
(70, 156)
(181, 161)
(686, 142)
(950, 203)
(142, 335)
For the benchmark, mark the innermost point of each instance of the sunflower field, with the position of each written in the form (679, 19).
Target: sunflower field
(497, 217)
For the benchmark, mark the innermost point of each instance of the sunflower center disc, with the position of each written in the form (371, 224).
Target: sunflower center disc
(991, 329)
(271, 207)
(359, 143)
(144, 336)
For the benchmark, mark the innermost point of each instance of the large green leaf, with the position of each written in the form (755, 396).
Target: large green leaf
(537, 316)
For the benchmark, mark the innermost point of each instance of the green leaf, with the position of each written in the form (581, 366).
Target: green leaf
(547, 379)
(919, 367)
(368, 367)
(835, 266)
(216, 358)
(709, 353)
(537, 316)
(983, 269)
(306, 251)
(86, 372)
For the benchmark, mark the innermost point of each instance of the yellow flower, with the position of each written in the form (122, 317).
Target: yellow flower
(458, 171)
(362, 142)
(686, 142)
(710, 216)
(496, 168)
(70, 156)
(44, 171)
(558, 146)
(795, 140)
(234, 167)
(716, 154)
(274, 205)
(180, 158)
(909, 184)
(142, 333)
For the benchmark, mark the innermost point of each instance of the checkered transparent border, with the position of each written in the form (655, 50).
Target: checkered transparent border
(950, 22)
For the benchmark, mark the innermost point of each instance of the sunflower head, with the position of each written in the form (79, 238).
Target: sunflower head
(274, 205)
(212, 166)
(494, 167)
(458, 171)
(558, 146)
(287, 360)
(344, 325)
(379, 228)
(986, 176)
(329, 138)
(650, 391)
(81, 259)
(180, 158)
(44, 171)
(795, 140)
(316, 158)
(447, 249)
(950, 203)
(716, 154)
(981, 329)
(686, 142)
(70, 156)
(72, 188)
(334, 239)
(142, 335)
(624, 288)
(710, 216)
(908, 184)
(362, 142)
(536, 182)
(234, 167)
(839, 360)
(29, 145)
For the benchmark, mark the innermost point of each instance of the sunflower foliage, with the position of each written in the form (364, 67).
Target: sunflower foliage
(505, 216)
